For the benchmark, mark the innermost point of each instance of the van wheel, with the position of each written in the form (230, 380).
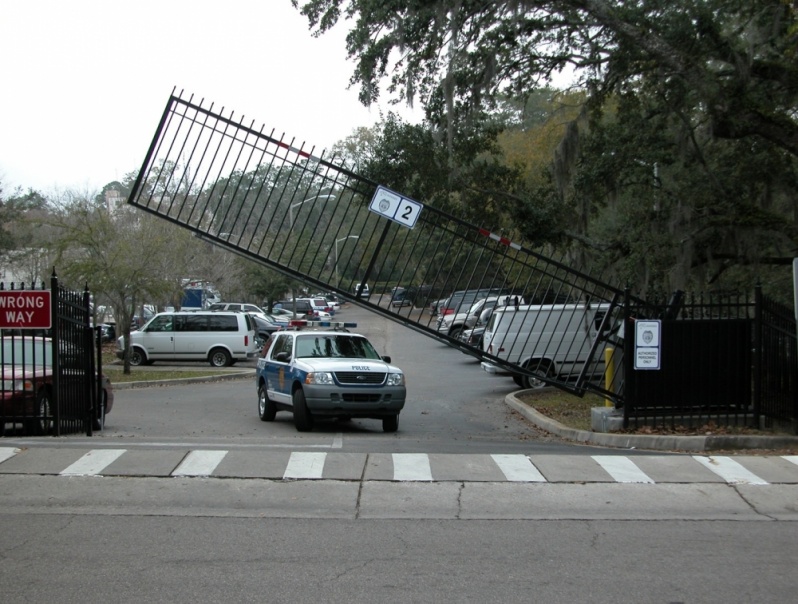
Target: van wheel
(219, 357)
(534, 382)
(137, 357)
(455, 332)
(266, 408)
(303, 420)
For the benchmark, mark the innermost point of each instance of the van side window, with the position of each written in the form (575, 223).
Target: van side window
(222, 323)
(162, 323)
(195, 323)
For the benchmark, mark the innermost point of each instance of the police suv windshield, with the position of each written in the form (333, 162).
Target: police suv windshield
(334, 346)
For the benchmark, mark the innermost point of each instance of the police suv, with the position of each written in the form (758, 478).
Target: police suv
(318, 369)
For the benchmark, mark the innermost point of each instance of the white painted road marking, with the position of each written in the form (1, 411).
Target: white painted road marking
(7, 453)
(305, 465)
(792, 458)
(411, 466)
(93, 463)
(729, 470)
(199, 463)
(518, 468)
(622, 469)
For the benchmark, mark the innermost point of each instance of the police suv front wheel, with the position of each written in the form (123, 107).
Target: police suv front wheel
(390, 423)
(303, 420)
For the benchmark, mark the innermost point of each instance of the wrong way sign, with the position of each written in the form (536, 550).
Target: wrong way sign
(25, 309)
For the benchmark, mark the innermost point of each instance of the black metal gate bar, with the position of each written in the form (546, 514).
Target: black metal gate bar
(308, 217)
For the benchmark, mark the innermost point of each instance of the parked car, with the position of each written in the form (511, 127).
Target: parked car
(459, 301)
(328, 374)
(239, 306)
(453, 324)
(304, 308)
(219, 337)
(264, 329)
(554, 340)
(27, 388)
(107, 332)
(409, 296)
(361, 291)
(332, 301)
(321, 304)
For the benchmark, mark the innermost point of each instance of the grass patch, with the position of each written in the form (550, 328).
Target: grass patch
(575, 412)
(569, 410)
(145, 375)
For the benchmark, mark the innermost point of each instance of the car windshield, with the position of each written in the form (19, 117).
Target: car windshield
(27, 352)
(335, 346)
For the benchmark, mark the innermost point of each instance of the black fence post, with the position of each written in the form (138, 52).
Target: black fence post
(56, 354)
(757, 360)
(630, 384)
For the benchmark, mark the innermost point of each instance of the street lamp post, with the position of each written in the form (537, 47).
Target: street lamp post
(337, 278)
(299, 203)
(291, 228)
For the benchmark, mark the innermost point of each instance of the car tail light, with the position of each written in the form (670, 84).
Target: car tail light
(447, 311)
(246, 340)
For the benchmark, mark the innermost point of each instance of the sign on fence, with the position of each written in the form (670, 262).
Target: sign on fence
(25, 309)
(647, 344)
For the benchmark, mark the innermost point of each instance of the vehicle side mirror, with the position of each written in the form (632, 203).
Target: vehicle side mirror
(386, 358)
(283, 357)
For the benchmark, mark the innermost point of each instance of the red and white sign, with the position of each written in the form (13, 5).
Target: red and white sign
(25, 309)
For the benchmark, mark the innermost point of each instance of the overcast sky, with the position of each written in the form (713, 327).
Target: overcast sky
(85, 81)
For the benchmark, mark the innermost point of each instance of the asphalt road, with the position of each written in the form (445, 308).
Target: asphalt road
(453, 406)
(188, 497)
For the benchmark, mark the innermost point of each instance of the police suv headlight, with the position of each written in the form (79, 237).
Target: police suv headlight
(395, 379)
(320, 378)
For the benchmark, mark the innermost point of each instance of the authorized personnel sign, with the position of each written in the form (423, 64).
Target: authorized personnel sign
(647, 344)
(25, 309)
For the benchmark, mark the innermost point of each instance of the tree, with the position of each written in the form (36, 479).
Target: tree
(125, 257)
(654, 174)
(737, 56)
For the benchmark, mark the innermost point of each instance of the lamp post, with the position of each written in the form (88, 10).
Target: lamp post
(299, 203)
(291, 228)
(337, 279)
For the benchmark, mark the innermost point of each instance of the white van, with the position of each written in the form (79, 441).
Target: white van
(218, 337)
(553, 340)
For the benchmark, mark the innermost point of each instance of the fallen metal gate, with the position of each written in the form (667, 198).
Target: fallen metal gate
(311, 218)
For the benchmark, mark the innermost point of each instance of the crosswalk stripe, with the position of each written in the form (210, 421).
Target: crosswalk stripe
(729, 470)
(792, 458)
(93, 462)
(305, 465)
(7, 453)
(622, 469)
(411, 466)
(199, 463)
(518, 468)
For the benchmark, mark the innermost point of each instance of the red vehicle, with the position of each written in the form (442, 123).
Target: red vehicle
(27, 387)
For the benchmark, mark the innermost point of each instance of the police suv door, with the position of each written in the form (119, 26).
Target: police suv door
(278, 368)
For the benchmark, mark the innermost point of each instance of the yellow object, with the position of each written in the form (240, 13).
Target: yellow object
(609, 373)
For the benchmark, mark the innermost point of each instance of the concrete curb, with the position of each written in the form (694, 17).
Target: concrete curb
(650, 441)
(181, 381)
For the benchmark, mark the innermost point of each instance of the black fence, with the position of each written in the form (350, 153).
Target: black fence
(724, 360)
(51, 376)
